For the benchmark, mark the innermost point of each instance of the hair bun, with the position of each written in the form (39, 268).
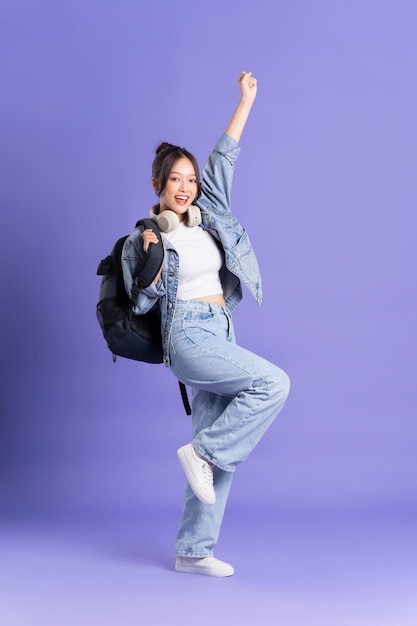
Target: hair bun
(164, 146)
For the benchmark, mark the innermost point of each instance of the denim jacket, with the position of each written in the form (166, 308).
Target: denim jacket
(240, 261)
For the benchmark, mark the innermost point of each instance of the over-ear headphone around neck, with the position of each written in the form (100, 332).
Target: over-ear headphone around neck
(168, 220)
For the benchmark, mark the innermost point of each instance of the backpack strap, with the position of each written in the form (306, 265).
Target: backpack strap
(184, 397)
(153, 259)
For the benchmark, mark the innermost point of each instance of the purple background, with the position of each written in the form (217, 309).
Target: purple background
(325, 184)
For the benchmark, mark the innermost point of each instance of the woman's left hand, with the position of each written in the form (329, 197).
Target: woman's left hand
(248, 85)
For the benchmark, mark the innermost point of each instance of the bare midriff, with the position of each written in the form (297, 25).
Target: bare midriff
(215, 298)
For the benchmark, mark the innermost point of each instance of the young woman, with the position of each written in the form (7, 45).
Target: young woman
(236, 394)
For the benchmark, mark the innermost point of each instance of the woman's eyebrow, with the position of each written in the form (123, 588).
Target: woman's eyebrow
(180, 173)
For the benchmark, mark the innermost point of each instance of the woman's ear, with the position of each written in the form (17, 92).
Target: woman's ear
(155, 185)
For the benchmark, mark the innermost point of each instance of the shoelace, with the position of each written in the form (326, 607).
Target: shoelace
(207, 474)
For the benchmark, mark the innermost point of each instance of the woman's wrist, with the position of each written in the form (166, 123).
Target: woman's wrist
(246, 100)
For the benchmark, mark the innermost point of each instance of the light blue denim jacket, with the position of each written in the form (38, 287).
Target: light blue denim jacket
(240, 261)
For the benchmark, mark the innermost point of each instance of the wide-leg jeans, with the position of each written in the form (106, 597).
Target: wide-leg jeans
(236, 396)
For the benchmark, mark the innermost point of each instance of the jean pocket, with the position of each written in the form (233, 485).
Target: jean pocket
(195, 317)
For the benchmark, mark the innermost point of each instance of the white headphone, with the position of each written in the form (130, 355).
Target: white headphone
(168, 220)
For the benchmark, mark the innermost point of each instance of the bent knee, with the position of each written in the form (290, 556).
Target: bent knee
(280, 385)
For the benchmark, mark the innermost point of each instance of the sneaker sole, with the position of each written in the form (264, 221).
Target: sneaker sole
(204, 571)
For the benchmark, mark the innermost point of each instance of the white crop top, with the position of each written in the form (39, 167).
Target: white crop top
(200, 262)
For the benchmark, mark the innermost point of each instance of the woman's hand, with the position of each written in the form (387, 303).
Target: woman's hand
(248, 86)
(148, 237)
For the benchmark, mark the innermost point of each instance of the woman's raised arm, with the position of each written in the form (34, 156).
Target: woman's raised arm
(248, 88)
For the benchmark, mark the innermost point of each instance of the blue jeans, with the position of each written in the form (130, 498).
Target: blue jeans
(236, 396)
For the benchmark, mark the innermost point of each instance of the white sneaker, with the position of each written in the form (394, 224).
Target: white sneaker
(199, 474)
(208, 566)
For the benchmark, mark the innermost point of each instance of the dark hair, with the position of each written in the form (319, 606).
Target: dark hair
(166, 155)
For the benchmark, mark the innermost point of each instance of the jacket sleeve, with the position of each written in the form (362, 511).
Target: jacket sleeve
(148, 297)
(217, 176)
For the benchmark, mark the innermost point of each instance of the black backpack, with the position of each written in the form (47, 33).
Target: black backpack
(136, 337)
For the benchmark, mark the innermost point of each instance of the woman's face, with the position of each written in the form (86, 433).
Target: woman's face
(180, 189)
